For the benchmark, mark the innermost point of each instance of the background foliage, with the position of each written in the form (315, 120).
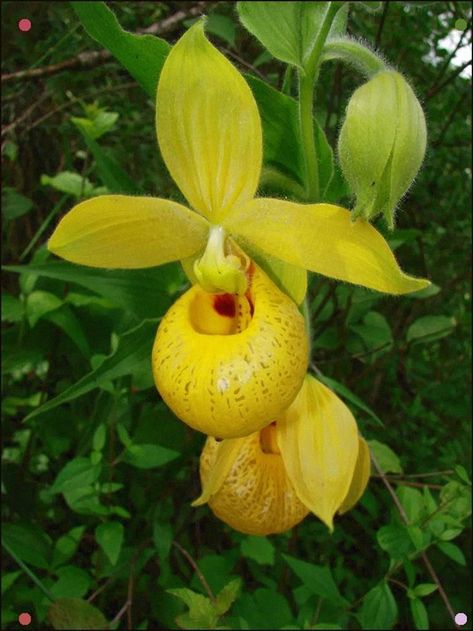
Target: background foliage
(96, 489)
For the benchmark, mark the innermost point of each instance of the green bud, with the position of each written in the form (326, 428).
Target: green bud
(218, 271)
(382, 144)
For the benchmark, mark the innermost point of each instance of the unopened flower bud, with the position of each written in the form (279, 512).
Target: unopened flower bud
(382, 144)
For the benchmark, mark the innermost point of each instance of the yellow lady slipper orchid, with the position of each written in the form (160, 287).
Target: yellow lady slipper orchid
(311, 459)
(209, 133)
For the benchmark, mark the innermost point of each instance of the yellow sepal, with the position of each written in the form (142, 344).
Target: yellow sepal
(360, 477)
(208, 126)
(223, 457)
(124, 232)
(321, 238)
(318, 440)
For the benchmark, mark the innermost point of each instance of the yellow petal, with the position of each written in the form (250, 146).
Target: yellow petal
(318, 439)
(360, 477)
(128, 232)
(256, 496)
(223, 456)
(229, 385)
(208, 126)
(323, 239)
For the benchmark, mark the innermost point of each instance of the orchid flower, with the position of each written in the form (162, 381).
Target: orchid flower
(311, 459)
(209, 133)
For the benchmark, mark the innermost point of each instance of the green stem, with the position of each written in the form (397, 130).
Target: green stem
(354, 54)
(27, 571)
(307, 79)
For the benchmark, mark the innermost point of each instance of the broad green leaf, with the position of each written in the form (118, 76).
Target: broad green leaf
(281, 134)
(99, 438)
(412, 501)
(142, 55)
(76, 474)
(288, 30)
(12, 308)
(29, 543)
(145, 292)
(109, 536)
(72, 183)
(375, 334)
(162, 537)
(260, 549)
(39, 303)
(263, 609)
(317, 578)
(424, 589)
(66, 320)
(201, 614)
(134, 347)
(113, 176)
(379, 609)
(220, 25)
(395, 540)
(385, 457)
(66, 546)
(100, 121)
(9, 579)
(349, 396)
(419, 614)
(14, 204)
(430, 328)
(73, 582)
(73, 613)
(452, 551)
(149, 456)
(227, 596)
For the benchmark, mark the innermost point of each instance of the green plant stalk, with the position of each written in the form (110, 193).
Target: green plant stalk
(355, 54)
(307, 79)
(27, 571)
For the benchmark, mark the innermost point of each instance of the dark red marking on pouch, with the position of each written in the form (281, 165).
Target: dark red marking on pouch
(224, 305)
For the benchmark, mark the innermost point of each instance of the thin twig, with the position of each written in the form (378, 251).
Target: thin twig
(25, 114)
(120, 613)
(130, 595)
(429, 474)
(424, 556)
(194, 565)
(445, 66)
(448, 80)
(418, 485)
(381, 25)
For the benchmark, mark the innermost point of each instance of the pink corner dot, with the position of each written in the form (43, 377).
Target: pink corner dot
(461, 619)
(24, 619)
(24, 25)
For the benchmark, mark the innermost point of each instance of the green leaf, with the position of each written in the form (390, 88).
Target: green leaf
(375, 333)
(395, 540)
(110, 538)
(111, 173)
(8, 580)
(142, 55)
(12, 308)
(162, 537)
(99, 123)
(39, 303)
(134, 347)
(339, 388)
(412, 501)
(430, 328)
(73, 582)
(144, 292)
(72, 183)
(260, 549)
(317, 578)
(14, 204)
(201, 614)
(73, 613)
(76, 474)
(99, 438)
(385, 457)
(65, 319)
(220, 25)
(288, 30)
(29, 543)
(424, 589)
(66, 546)
(379, 609)
(452, 551)
(149, 456)
(419, 614)
(227, 596)
(263, 609)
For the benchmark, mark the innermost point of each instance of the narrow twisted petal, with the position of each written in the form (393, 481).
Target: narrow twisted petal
(227, 366)
(125, 232)
(321, 238)
(318, 440)
(360, 478)
(254, 495)
(208, 127)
